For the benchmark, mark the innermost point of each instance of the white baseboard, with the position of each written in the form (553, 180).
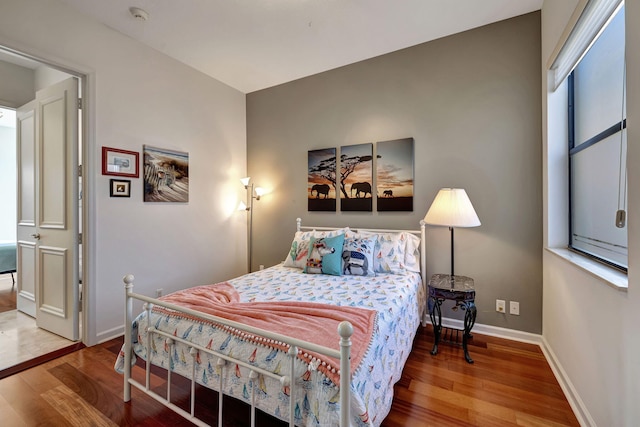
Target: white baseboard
(110, 334)
(577, 405)
(579, 408)
(495, 331)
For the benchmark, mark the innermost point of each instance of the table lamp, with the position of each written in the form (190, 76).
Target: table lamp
(452, 208)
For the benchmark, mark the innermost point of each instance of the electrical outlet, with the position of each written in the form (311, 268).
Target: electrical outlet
(500, 306)
(159, 292)
(514, 308)
(261, 267)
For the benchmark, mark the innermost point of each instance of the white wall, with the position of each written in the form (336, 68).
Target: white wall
(138, 96)
(589, 327)
(630, 311)
(16, 89)
(46, 76)
(8, 183)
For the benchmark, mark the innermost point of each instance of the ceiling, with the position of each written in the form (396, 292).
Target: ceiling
(255, 44)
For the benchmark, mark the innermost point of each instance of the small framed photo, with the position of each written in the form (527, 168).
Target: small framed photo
(120, 162)
(120, 188)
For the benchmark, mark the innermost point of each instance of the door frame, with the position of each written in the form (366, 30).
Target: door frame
(88, 159)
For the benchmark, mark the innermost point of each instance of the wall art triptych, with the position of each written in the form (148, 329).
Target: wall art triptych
(352, 179)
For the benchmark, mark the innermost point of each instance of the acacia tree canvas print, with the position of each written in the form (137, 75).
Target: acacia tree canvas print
(321, 184)
(166, 175)
(394, 175)
(356, 177)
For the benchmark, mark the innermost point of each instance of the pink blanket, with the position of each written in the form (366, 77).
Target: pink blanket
(317, 323)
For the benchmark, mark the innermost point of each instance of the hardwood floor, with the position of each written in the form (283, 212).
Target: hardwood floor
(510, 384)
(7, 293)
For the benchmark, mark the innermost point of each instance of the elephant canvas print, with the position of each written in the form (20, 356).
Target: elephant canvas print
(356, 177)
(394, 175)
(321, 184)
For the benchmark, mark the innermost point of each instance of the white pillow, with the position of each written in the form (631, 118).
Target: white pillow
(412, 253)
(389, 254)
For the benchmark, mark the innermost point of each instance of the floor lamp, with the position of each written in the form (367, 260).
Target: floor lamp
(252, 193)
(452, 208)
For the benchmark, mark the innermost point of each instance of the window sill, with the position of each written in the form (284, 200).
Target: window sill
(610, 276)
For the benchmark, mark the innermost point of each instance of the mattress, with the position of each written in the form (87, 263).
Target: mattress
(399, 301)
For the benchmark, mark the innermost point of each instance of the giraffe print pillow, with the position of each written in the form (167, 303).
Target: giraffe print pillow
(325, 255)
(299, 250)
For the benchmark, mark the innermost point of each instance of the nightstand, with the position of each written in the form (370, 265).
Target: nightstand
(460, 290)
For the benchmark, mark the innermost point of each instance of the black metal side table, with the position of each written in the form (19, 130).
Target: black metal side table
(454, 288)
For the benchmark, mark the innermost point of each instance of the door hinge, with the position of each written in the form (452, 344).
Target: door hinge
(79, 170)
(79, 103)
(79, 238)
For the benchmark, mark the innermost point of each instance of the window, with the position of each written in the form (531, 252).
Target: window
(597, 148)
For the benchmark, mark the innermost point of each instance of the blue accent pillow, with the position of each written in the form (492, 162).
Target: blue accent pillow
(325, 255)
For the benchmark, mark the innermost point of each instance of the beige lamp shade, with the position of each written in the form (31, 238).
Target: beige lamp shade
(452, 208)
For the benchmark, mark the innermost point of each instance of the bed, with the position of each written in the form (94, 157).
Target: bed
(252, 335)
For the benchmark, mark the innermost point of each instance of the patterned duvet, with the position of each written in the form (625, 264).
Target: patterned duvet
(398, 299)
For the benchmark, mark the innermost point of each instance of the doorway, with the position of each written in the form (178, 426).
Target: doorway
(16, 326)
(8, 211)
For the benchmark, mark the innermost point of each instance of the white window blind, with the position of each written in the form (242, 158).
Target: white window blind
(598, 146)
(593, 19)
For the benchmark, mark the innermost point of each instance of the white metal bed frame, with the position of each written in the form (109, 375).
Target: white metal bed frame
(345, 330)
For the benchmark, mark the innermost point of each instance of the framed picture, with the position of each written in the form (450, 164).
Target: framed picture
(321, 183)
(120, 162)
(120, 188)
(356, 177)
(394, 168)
(166, 175)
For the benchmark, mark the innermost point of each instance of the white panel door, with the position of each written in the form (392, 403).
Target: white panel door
(54, 237)
(26, 215)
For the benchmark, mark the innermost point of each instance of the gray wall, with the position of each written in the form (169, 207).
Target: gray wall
(472, 103)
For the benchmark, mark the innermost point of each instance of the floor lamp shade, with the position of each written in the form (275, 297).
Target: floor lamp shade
(452, 208)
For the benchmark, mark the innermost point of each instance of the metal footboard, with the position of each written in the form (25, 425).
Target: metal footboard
(345, 330)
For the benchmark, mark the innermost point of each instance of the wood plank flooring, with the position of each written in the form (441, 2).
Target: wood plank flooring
(7, 293)
(510, 384)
